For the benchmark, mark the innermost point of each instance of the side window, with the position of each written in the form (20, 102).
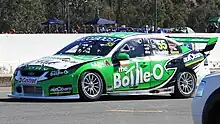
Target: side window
(159, 46)
(134, 48)
(174, 48)
(147, 47)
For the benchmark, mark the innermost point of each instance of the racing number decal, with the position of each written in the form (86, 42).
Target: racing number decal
(162, 44)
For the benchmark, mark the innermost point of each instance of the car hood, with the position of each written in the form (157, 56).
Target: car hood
(60, 61)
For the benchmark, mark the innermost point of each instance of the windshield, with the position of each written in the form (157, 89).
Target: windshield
(92, 45)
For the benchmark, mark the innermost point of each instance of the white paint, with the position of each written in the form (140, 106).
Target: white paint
(140, 76)
(158, 66)
(55, 62)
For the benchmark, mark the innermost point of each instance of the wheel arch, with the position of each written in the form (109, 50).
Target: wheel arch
(189, 70)
(100, 74)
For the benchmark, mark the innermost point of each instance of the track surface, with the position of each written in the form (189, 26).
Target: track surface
(109, 110)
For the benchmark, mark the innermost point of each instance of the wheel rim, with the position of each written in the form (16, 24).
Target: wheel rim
(91, 85)
(186, 83)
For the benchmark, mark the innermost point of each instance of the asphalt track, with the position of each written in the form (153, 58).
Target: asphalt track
(108, 110)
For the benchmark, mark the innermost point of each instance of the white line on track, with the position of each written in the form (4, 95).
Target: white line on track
(133, 111)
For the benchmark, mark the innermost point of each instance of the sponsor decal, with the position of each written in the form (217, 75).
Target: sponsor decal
(31, 73)
(97, 38)
(58, 73)
(191, 57)
(27, 80)
(56, 58)
(173, 49)
(98, 64)
(46, 62)
(107, 63)
(131, 79)
(122, 69)
(60, 90)
(37, 68)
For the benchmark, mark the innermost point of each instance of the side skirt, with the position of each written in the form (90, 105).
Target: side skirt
(143, 92)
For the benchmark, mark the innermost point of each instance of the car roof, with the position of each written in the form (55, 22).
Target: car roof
(119, 34)
(124, 35)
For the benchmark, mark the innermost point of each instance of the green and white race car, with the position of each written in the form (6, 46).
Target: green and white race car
(112, 64)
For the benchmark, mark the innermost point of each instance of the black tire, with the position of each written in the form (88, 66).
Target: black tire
(90, 85)
(211, 111)
(180, 91)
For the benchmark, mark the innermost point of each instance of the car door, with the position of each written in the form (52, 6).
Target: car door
(143, 72)
(127, 73)
(161, 55)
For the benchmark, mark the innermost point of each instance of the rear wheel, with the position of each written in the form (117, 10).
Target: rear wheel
(90, 86)
(185, 85)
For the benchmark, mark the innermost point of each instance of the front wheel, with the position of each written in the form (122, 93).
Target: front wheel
(90, 86)
(185, 85)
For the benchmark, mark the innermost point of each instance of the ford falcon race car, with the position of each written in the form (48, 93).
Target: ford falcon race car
(112, 64)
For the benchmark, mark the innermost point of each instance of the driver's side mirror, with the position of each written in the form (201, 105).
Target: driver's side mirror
(122, 56)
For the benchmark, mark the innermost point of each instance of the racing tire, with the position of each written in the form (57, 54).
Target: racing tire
(185, 85)
(90, 86)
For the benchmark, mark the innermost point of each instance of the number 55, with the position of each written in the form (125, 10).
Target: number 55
(162, 45)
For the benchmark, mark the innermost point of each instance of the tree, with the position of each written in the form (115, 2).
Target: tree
(26, 15)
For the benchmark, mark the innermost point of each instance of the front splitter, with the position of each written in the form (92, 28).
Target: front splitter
(44, 97)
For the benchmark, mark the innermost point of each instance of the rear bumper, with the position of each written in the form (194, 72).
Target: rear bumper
(44, 97)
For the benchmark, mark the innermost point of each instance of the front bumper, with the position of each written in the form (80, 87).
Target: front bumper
(63, 87)
(44, 97)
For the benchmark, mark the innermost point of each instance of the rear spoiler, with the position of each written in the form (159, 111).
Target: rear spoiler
(210, 45)
(209, 41)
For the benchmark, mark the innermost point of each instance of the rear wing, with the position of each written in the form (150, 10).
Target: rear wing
(210, 45)
(208, 41)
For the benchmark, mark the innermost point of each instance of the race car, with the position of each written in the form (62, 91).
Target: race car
(120, 63)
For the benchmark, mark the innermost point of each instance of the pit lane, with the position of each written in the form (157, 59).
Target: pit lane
(108, 110)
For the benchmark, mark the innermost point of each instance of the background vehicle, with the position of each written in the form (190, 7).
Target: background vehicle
(113, 64)
(205, 105)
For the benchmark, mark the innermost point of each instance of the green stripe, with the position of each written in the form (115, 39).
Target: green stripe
(195, 39)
